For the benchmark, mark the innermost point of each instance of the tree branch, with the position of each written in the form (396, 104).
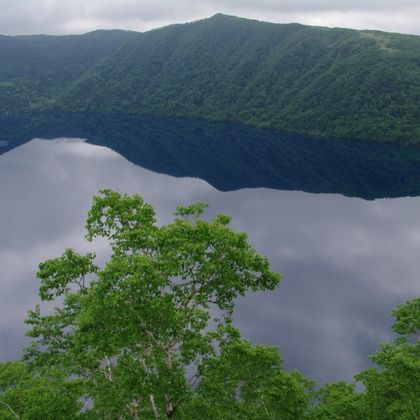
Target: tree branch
(155, 410)
(10, 408)
(109, 376)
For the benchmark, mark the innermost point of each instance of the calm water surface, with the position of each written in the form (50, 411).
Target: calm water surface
(346, 261)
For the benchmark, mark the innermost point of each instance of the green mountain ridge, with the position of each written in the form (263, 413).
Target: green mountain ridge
(35, 69)
(337, 83)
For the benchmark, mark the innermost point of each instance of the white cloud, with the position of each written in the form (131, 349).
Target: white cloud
(78, 16)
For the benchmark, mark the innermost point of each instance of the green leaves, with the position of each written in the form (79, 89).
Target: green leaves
(124, 220)
(339, 401)
(135, 326)
(58, 274)
(195, 210)
(407, 318)
(394, 389)
(247, 382)
(25, 395)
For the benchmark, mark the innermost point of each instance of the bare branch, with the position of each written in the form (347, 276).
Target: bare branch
(170, 409)
(109, 369)
(10, 408)
(155, 410)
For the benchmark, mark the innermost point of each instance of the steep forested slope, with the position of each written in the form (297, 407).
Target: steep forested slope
(324, 82)
(34, 69)
(23, 73)
(72, 55)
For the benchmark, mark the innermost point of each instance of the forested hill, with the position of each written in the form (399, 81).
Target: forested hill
(34, 70)
(324, 82)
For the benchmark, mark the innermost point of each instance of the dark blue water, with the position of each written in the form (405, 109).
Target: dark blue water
(231, 156)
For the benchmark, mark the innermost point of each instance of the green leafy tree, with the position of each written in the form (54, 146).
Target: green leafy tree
(141, 333)
(339, 401)
(248, 382)
(25, 395)
(393, 390)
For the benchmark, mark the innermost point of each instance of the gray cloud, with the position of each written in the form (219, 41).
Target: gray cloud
(77, 16)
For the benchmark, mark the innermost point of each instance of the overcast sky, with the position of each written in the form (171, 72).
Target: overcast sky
(79, 16)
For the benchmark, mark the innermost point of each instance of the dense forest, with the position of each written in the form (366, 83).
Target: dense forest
(149, 334)
(324, 82)
(35, 69)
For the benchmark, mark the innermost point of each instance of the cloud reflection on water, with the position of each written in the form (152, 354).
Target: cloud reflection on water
(346, 262)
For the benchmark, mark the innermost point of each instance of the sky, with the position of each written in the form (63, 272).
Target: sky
(80, 16)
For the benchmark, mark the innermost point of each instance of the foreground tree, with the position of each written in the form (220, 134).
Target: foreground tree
(339, 401)
(25, 395)
(393, 389)
(140, 332)
(248, 382)
(149, 334)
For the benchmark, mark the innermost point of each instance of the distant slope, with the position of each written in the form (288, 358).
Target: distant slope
(35, 68)
(323, 82)
(74, 54)
(24, 73)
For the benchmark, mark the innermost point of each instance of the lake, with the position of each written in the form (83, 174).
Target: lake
(335, 218)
